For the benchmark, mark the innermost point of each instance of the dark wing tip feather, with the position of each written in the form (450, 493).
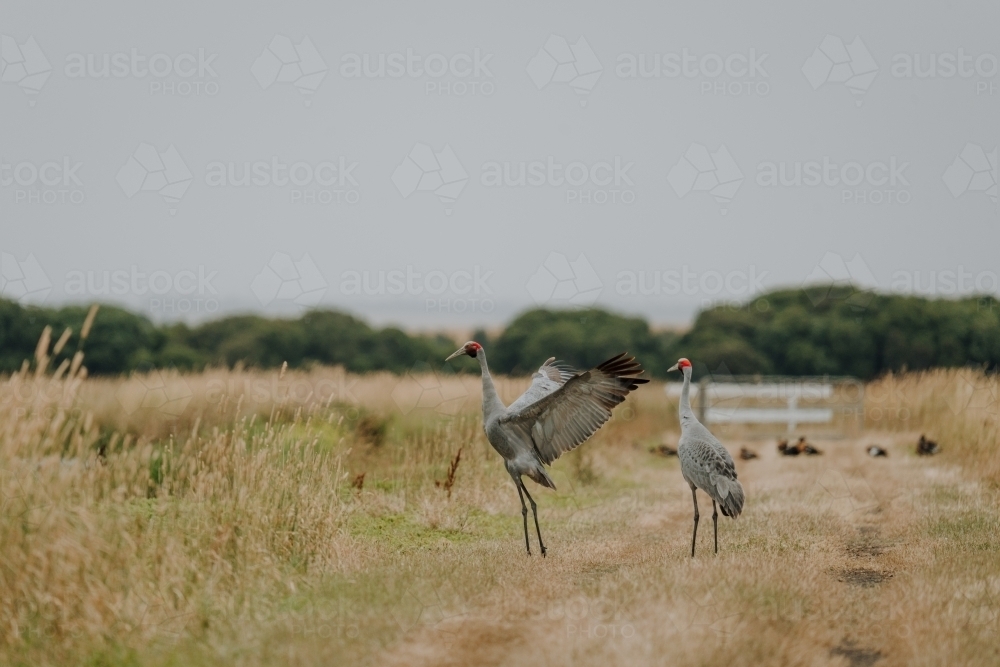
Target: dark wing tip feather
(622, 366)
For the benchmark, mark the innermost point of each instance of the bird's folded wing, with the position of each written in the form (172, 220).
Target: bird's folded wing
(709, 455)
(547, 379)
(563, 419)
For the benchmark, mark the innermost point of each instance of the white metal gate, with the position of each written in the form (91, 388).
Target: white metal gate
(771, 405)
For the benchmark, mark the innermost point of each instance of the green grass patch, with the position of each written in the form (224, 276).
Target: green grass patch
(971, 530)
(401, 532)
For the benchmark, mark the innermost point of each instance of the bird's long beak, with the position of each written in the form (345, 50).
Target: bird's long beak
(457, 353)
(674, 368)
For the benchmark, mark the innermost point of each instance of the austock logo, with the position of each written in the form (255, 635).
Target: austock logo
(601, 182)
(974, 170)
(946, 282)
(684, 280)
(835, 62)
(23, 65)
(422, 388)
(971, 392)
(183, 292)
(289, 389)
(148, 170)
(876, 182)
(979, 69)
(560, 62)
(697, 609)
(733, 74)
(424, 170)
(50, 182)
(844, 494)
(283, 279)
(327, 182)
(701, 171)
(833, 271)
(23, 281)
(282, 61)
(559, 280)
(456, 75)
(182, 75)
(153, 389)
(452, 292)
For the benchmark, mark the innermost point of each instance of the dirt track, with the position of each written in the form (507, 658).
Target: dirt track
(838, 559)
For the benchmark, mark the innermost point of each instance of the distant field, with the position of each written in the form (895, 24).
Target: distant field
(260, 518)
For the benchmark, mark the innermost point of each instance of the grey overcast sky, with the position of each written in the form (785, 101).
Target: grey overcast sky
(448, 165)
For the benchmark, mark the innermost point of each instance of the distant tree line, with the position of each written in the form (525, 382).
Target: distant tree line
(841, 331)
(823, 330)
(121, 341)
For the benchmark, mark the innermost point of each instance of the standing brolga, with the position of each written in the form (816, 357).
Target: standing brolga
(560, 410)
(705, 463)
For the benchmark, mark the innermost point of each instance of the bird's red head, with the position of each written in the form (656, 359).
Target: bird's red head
(681, 364)
(471, 349)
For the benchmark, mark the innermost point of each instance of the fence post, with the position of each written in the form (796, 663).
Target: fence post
(703, 400)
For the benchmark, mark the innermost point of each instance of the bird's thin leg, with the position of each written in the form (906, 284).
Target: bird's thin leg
(524, 515)
(715, 523)
(694, 535)
(534, 512)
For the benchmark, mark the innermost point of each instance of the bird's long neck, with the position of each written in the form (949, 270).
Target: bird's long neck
(491, 400)
(685, 411)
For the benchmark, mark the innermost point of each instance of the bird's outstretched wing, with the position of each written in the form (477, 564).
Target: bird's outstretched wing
(563, 419)
(547, 379)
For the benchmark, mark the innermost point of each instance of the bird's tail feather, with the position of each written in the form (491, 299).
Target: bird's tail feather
(729, 494)
(539, 475)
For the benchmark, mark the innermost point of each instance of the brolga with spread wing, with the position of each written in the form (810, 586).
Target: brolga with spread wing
(705, 463)
(561, 409)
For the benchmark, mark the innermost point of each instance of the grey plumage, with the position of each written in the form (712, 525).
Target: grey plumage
(705, 463)
(559, 411)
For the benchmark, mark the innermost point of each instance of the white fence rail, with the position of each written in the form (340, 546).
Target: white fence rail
(775, 401)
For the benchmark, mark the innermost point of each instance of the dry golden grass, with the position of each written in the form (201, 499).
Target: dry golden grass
(960, 407)
(217, 519)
